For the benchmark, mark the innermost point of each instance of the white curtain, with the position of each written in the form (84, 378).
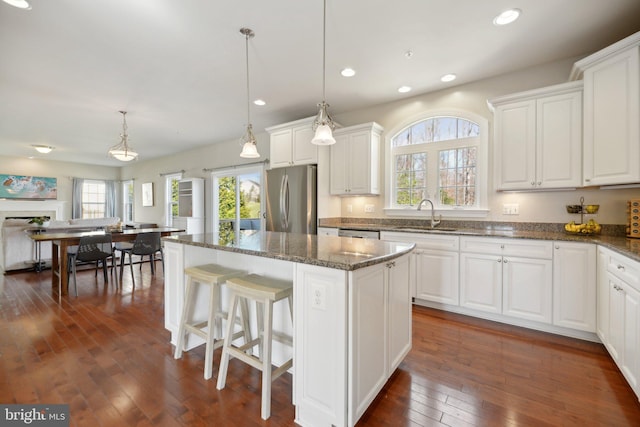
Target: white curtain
(76, 198)
(110, 199)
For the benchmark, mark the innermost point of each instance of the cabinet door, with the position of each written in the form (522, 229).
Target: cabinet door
(615, 342)
(364, 163)
(437, 276)
(339, 184)
(612, 120)
(304, 152)
(527, 288)
(399, 290)
(603, 296)
(559, 141)
(481, 282)
(280, 148)
(515, 134)
(631, 351)
(574, 285)
(368, 343)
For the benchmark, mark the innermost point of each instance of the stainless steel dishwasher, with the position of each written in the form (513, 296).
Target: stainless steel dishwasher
(362, 234)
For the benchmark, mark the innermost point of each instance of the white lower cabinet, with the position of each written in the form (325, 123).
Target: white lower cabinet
(619, 312)
(352, 331)
(511, 277)
(380, 327)
(435, 265)
(574, 285)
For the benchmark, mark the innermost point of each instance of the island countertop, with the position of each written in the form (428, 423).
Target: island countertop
(342, 253)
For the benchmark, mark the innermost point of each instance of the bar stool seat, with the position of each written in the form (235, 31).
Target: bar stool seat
(215, 276)
(265, 291)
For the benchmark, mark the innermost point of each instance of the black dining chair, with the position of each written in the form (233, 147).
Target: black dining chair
(96, 248)
(146, 244)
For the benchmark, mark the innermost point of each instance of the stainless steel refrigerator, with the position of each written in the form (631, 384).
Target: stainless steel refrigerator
(291, 199)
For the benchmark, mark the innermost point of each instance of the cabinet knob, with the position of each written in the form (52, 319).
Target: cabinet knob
(539, 183)
(557, 247)
(501, 246)
(620, 267)
(533, 183)
(587, 179)
(499, 260)
(505, 261)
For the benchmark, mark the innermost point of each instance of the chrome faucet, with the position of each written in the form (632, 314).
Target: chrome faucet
(434, 222)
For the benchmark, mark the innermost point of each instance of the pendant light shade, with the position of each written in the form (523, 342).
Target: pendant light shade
(323, 124)
(248, 141)
(122, 151)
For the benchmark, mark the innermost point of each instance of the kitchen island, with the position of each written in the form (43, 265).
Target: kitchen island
(352, 310)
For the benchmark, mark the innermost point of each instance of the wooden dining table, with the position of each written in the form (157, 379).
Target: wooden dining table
(61, 240)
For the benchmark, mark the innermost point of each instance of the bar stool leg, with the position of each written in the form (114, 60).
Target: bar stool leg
(186, 315)
(228, 338)
(210, 343)
(266, 358)
(244, 312)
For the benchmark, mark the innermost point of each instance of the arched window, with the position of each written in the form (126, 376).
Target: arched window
(440, 157)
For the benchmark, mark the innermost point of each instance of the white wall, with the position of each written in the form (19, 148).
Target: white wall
(472, 97)
(534, 207)
(63, 171)
(192, 162)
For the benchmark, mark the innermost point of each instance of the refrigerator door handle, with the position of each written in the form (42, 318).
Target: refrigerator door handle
(283, 220)
(286, 202)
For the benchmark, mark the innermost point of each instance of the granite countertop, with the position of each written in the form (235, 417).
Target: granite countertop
(621, 244)
(342, 253)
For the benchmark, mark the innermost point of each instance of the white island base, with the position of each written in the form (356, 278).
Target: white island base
(352, 327)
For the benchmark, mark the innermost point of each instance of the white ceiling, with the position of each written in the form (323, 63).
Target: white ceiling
(178, 66)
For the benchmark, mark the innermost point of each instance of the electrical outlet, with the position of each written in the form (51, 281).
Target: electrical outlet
(511, 209)
(349, 208)
(369, 208)
(318, 297)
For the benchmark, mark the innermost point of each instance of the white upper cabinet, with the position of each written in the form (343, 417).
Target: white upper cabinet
(612, 113)
(290, 144)
(355, 160)
(538, 138)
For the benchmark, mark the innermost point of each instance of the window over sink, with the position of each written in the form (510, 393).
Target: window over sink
(440, 156)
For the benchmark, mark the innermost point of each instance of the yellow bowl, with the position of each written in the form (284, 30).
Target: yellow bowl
(591, 208)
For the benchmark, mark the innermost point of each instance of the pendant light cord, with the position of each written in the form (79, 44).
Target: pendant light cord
(247, 34)
(324, 49)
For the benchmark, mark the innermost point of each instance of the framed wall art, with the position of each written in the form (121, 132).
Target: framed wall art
(28, 187)
(147, 194)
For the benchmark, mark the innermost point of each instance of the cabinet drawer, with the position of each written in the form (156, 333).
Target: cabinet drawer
(624, 268)
(423, 240)
(510, 247)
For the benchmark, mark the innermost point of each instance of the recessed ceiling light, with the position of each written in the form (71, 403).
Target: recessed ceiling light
(404, 89)
(348, 72)
(44, 149)
(448, 78)
(259, 102)
(20, 4)
(507, 17)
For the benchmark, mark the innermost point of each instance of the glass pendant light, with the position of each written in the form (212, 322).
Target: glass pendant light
(122, 151)
(323, 124)
(248, 140)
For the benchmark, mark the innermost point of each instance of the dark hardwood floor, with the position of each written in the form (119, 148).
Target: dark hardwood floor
(107, 354)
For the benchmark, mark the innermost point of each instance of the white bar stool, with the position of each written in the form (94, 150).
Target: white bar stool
(215, 276)
(266, 291)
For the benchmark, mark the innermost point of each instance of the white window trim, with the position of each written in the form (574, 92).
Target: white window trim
(479, 211)
(236, 170)
(168, 220)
